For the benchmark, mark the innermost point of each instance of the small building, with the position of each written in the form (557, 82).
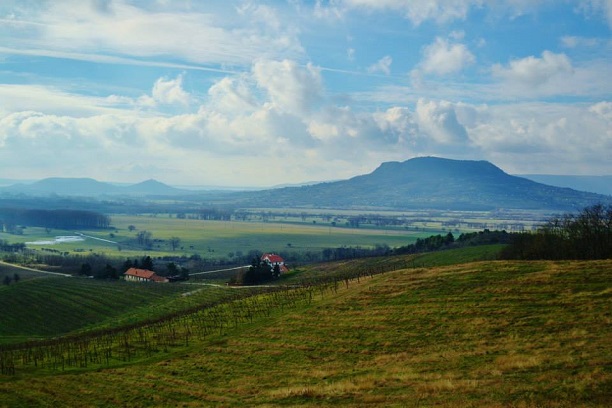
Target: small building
(143, 275)
(273, 260)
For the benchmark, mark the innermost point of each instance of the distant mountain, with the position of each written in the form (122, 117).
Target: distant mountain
(154, 187)
(430, 182)
(64, 186)
(89, 187)
(424, 182)
(592, 184)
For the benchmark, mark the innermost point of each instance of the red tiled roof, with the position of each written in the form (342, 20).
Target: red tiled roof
(140, 273)
(273, 258)
(157, 278)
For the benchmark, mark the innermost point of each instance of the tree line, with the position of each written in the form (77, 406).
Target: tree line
(586, 235)
(12, 219)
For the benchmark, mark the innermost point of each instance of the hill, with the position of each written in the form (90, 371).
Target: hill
(430, 182)
(419, 183)
(88, 187)
(479, 334)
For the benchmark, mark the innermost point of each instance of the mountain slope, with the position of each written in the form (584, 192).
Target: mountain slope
(593, 184)
(430, 182)
(154, 187)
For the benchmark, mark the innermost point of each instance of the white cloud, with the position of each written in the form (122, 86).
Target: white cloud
(604, 110)
(194, 36)
(170, 92)
(443, 57)
(439, 120)
(441, 11)
(534, 72)
(232, 94)
(597, 8)
(383, 66)
(280, 109)
(571, 41)
(49, 99)
(544, 138)
(290, 87)
(350, 54)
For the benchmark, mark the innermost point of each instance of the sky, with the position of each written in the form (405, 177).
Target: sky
(264, 93)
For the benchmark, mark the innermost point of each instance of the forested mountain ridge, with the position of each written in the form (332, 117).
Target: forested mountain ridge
(431, 182)
(418, 183)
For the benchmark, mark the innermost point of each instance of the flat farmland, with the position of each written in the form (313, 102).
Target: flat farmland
(212, 239)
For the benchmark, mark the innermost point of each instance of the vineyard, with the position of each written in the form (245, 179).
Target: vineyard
(105, 347)
(487, 333)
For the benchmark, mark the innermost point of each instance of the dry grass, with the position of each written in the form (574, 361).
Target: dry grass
(494, 334)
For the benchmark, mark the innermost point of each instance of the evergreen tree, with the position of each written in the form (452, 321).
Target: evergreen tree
(147, 263)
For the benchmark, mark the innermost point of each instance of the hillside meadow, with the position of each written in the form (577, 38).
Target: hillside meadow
(45, 306)
(489, 333)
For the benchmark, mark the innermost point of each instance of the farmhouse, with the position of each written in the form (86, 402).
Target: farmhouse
(143, 275)
(273, 260)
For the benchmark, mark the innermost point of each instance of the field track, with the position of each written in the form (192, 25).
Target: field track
(25, 268)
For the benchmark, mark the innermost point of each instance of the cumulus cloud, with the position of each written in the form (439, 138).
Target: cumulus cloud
(544, 138)
(279, 109)
(603, 110)
(533, 71)
(170, 91)
(290, 87)
(443, 57)
(383, 65)
(439, 120)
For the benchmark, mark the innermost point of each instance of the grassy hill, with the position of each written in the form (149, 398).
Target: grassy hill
(55, 306)
(490, 333)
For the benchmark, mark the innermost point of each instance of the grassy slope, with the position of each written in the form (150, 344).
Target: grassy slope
(56, 305)
(479, 334)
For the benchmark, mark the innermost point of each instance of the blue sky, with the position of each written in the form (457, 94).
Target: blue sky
(261, 93)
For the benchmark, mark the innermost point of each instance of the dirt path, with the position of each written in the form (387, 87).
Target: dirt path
(219, 270)
(25, 268)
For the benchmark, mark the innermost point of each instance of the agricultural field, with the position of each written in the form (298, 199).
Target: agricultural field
(486, 333)
(209, 239)
(265, 230)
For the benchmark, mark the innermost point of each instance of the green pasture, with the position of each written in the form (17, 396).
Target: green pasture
(492, 333)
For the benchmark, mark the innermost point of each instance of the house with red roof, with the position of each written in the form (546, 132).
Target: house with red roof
(143, 275)
(273, 260)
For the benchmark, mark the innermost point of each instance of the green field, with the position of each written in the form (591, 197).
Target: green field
(214, 239)
(51, 306)
(489, 333)
(55, 306)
